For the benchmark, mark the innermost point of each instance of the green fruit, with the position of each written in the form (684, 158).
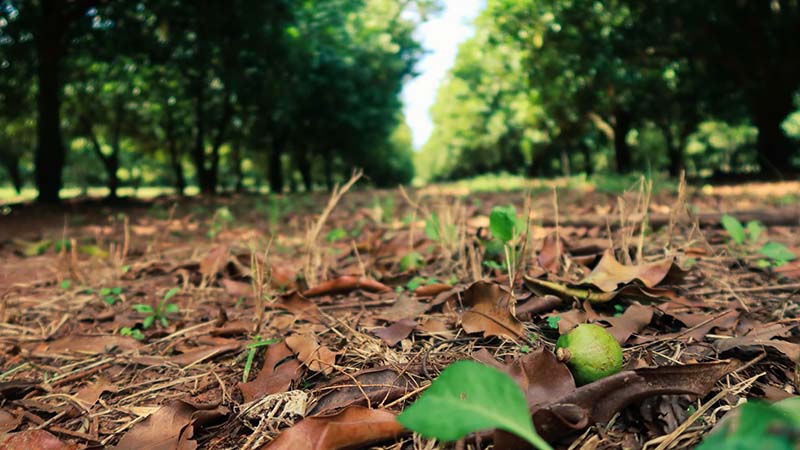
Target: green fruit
(591, 353)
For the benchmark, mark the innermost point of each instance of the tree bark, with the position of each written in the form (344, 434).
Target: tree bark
(11, 164)
(236, 160)
(588, 166)
(304, 166)
(674, 150)
(174, 153)
(622, 151)
(276, 168)
(775, 149)
(49, 156)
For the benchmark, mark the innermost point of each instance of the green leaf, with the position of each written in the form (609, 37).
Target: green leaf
(734, 228)
(504, 223)
(171, 308)
(116, 290)
(336, 234)
(164, 321)
(66, 284)
(171, 293)
(110, 299)
(754, 230)
(777, 252)
(552, 321)
(432, 227)
(141, 308)
(410, 262)
(148, 322)
(758, 425)
(469, 397)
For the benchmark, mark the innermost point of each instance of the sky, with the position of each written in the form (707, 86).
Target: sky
(440, 36)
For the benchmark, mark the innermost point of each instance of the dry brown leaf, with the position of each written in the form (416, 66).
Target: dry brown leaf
(635, 318)
(276, 374)
(92, 344)
(354, 427)
(300, 306)
(164, 429)
(396, 332)
(191, 357)
(489, 309)
(406, 307)
(365, 387)
(763, 337)
(214, 261)
(314, 356)
(610, 273)
(35, 440)
(345, 284)
(431, 290)
(8, 422)
(549, 257)
(90, 393)
(237, 288)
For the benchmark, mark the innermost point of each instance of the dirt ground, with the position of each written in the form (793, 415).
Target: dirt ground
(292, 322)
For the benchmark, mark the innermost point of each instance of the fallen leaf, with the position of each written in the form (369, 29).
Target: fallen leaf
(237, 288)
(345, 284)
(35, 440)
(8, 422)
(163, 430)
(396, 332)
(635, 318)
(191, 357)
(276, 375)
(431, 290)
(489, 309)
(314, 356)
(365, 387)
(549, 257)
(92, 344)
(598, 402)
(538, 305)
(214, 261)
(90, 393)
(300, 306)
(763, 337)
(405, 307)
(354, 427)
(610, 273)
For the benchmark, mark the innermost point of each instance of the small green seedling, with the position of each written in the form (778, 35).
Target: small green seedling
(337, 234)
(66, 284)
(252, 349)
(411, 261)
(220, 221)
(132, 332)
(775, 254)
(552, 322)
(111, 295)
(436, 231)
(504, 223)
(159, 313)
(758, 425)
(469, 397)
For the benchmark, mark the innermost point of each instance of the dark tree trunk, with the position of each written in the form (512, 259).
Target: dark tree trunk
(304, 167)
(50, 156)
(174, 153)
(11, 164)
(564, 155)
(329, 170)
(588, 166)
(236, 160)
(775, 149)
(674, 150)
(622, 151)
(276, 168)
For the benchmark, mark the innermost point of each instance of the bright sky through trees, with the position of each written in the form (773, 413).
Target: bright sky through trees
(440, 36)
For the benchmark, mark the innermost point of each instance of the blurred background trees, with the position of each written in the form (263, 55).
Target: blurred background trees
(293, 94)
(557, 86)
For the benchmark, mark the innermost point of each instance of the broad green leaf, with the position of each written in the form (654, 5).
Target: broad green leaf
(734, 228)
(432, 227)
(777, 252)
(148, 322)
(552, 322)
(142, 308)
(170, 293)
(411, 261)
(171, 308)
(336, 234)
(503, 223)
(469, 397)
(66, 284)
(758, 425)
(754, 230)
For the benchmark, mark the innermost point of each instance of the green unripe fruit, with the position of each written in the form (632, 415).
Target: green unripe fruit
(591, 353)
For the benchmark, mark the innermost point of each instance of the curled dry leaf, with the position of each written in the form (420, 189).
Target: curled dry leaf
(431, 290)
(170, 427)
(354, 427)
(90, 393)
(92, 344)
(214, 261)
(300, 306)
(489, 309)
(277, 374)
(549, 257)
(314, 356)
(35, 440)
(633, 320)
(610, 273)
(345, 284)
(369, 387)
(598, 402)
(396, 332)
(8, 422)
(763, 337)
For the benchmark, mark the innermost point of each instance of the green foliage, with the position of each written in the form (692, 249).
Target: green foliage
(132, 332)
(438, 231)
(252, 349)
(337, 234)
(758, 425)
(65, 284)
(411, 261)
(221, 220)
(504, 223)
(734, 229)
(111, 295)
(468, 397)
(552, 322)
(160, 312)
(777, 252)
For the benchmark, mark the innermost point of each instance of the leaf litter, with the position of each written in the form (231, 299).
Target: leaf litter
(702, 324)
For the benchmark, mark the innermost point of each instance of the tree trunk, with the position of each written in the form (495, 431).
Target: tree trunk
(50, 156)
(304, 166)
(276, 168)
(329, 170)
(588, 166)
(775, 149)
(11, 164)
(174, 153)
(236, 160)
(622, 151)
(564, 154)
(674, 150)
